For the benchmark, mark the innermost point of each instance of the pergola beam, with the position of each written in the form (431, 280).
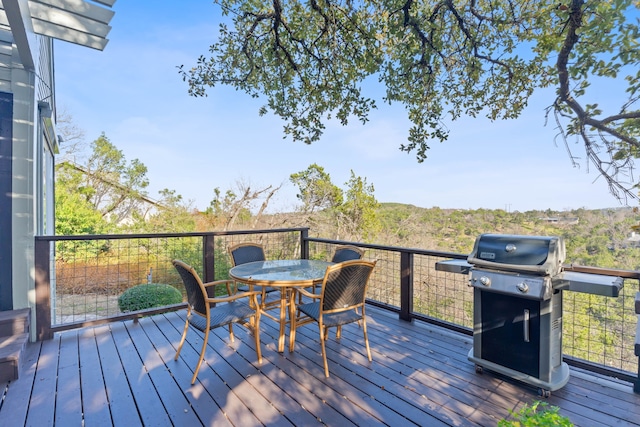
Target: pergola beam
(78, 7)
(17, 13)
(75, 21)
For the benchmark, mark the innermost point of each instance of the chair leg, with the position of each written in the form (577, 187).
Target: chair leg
(204, 347)
(184, 336)
(366, 338)
(339, 332)
(300, 301)
(232, 337)
(324, 351)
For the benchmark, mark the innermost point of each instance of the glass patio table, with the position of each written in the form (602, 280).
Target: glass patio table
(286, 275)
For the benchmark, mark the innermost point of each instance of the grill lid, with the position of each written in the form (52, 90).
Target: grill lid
(542, 255)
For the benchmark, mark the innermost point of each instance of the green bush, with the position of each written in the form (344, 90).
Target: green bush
(531, 416)
(148, 295)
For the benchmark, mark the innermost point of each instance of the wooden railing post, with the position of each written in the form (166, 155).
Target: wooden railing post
(304, 243)
(406, 286)
(208, 258)
(42, 256)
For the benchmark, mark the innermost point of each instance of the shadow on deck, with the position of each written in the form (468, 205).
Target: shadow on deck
(124, 374)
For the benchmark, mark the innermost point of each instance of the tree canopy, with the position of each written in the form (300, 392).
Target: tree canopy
(440, 59)
(107, 194)
(317, 192)
(350, 213)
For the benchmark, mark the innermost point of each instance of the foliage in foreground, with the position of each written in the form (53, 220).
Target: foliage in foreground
(148, 295)
(538, 414)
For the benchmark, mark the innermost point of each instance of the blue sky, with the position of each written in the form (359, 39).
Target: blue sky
(132, 92)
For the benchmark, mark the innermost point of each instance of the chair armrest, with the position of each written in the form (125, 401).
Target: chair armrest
(227, 283)
(234, 297)
(307, 293)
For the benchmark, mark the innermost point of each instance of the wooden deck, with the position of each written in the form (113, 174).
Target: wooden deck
(124, 374)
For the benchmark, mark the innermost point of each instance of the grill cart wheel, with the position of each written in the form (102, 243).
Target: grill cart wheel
(479, 369)
(544, 393)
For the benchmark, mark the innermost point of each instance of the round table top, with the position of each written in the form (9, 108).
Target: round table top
(286, 272)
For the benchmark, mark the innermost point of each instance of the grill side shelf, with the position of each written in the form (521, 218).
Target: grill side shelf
(460, 266)
(596, 284)
(590, 283)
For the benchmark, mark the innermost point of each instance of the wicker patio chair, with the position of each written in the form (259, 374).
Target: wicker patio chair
(347, 253)
(341, 254)
(341, 301)
(243, 253)
(206, 311)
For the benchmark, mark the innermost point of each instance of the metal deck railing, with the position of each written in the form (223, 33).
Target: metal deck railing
(79, 279)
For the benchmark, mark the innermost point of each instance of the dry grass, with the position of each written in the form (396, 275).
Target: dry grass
(73, 308)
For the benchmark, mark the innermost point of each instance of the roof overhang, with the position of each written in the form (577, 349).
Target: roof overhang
(76, 21)
(17, 13)
(82, 22)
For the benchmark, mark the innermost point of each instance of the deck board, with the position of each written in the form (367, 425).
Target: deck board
(298, 402)
(343, 390)
(95, 405)
(117, 388)
(212, 392)
(19, 398)
(202, 404)
(42, 407)
(69, 398)
(174, 402)
(124, 374)
(234, 373)
(376, 390)
(148, 403)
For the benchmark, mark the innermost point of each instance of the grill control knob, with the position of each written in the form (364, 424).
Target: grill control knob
(484, 280)
(523, 287)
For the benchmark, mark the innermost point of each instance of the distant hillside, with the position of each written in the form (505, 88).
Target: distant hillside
(600, 237)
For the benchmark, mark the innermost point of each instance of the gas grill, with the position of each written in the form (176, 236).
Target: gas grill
(517, 305)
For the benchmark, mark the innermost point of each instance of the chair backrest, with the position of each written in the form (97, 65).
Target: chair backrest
(345, 285)
(243, 253)
(194, 287)
(347, 253)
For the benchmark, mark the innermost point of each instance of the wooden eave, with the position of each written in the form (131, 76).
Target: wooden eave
(75, 21)
(81, 22)
(17, 19)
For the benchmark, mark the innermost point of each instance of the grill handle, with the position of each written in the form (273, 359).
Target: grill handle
(542, 270)
(525, 325)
